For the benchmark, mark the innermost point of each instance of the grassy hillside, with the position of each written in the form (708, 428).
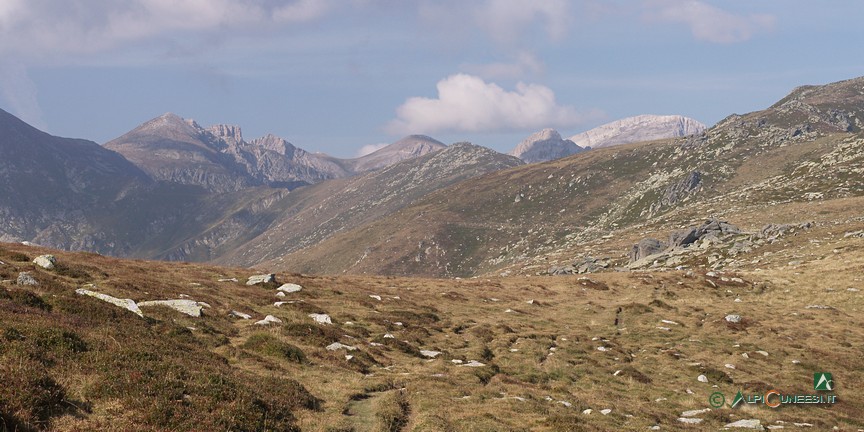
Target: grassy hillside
(517, 353)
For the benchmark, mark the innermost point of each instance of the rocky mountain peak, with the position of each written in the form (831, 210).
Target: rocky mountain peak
(545, 145)
(228, 133)
(638, 128)
(408, 147)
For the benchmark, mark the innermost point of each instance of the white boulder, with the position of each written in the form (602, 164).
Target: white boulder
(261, 279)
(45, 261)
(127, 304)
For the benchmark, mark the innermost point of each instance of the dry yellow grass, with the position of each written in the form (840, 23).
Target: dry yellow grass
(542, 366)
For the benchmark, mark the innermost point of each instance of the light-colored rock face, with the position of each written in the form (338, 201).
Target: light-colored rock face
(268, 320)
(321, 318)
(637, 129)
(289, 288)
(127, 304)
(188, 307)
(45, 261)
(544, 146)
(261, 279)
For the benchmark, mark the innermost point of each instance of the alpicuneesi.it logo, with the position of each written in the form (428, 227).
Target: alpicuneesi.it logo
(822, 382)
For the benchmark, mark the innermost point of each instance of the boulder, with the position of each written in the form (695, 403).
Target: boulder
(45, 261)
(321, 318)
(269, 319)
(188, 307)
(754, 424)
(241, 315)
(24, 278)
(261, 279)
(646, 247)
(289, 288)
(335, 346)
(127, 304)
(733, 318)
(430, 353)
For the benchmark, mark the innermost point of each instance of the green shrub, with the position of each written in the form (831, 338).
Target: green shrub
(267, 344)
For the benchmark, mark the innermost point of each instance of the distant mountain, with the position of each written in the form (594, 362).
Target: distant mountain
(544, 146)
(638, 129)
(49, 183)
(406, 148)
(170, 148)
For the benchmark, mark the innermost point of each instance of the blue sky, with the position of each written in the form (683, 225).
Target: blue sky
(338, 75)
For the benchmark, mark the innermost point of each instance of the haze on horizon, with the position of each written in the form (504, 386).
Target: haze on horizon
(337, 76)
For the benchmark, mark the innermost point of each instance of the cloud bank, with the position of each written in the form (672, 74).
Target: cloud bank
(710, 23)
(466, 103)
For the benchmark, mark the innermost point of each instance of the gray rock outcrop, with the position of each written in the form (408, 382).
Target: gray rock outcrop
(25, 279)
(646, 247)
(261, 279)
(544, 146)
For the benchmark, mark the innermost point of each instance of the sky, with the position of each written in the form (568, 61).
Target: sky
(347, 76)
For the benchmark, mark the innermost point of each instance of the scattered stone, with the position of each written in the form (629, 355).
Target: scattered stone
(473, 363)
(734, 319)
(45, 261)
(694, 413)
(289, 288)
(852, 289)
(269, 319)
(764, 353)
(664, 328)
(456, 361)
(188, 307)
(376, 297)
(430, 353)
(280, 303)
(584, 265)
(803, 424)
(689, 420)
(745, 355)
(321, 318)
(335, 346)
(280, 294)
(25, 279)
(261, 279)
(566, 404)
(606, 411)
(389, 336)
(228, 280)
(127, 304)
(587, 411)
(729, 366)
(746, 424)
(348, 357)
(241, 315)
(602, 348)
(795, 361)
(617, 372)
(702, 378)
(818, 306)
(669, 322)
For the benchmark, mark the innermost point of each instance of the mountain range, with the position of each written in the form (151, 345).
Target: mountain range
(171, 189)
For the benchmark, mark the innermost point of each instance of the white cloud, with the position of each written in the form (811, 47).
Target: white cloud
(466, 103)
(525, 64)
(49, 28)
(709, 23)
(370, 148)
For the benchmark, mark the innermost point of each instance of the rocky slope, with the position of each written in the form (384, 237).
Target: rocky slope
(544, 146)
(637, 129)
(314, 214)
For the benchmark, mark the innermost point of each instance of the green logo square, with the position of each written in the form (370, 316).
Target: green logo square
(823, 381)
